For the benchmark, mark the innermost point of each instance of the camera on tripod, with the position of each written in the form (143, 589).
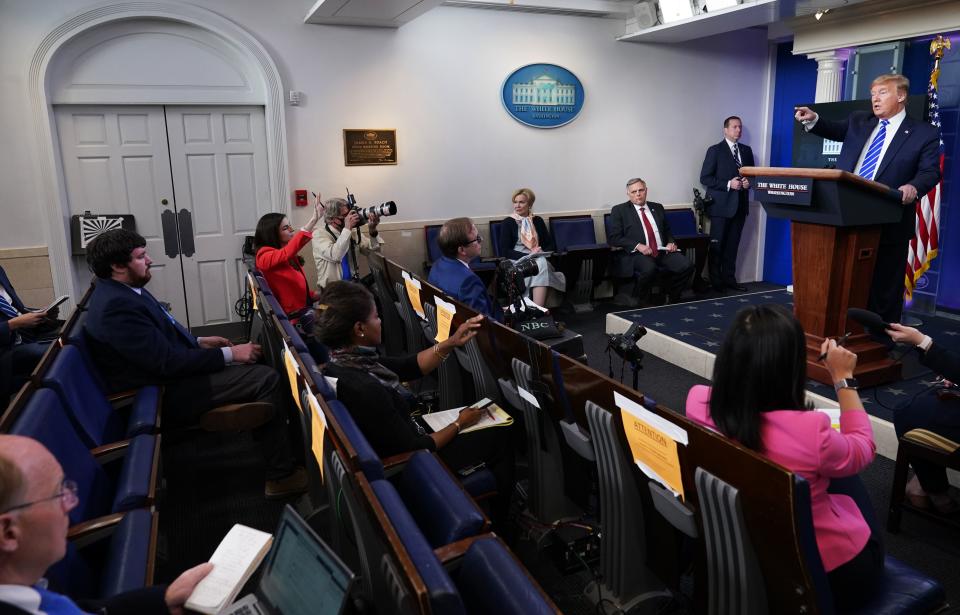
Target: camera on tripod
(625, 344)
(510, 275)
(382, 210)
(700, 202)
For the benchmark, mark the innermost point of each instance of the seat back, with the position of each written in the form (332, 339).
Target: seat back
(547, 500)
(735, 581)
(606, 227)
(449, 374)
(623, 543)
(73, 380)
(491, 581)
(44, 419)
(416, 340)
(572, 231)
(394, 336)
(683, 222)
(442, 511)
(484, 384)
(441, 592)
(430, 234)
(361, 456)
(495, 227)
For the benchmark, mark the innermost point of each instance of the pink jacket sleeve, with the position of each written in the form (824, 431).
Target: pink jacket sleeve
(268, 258)
(850, 450)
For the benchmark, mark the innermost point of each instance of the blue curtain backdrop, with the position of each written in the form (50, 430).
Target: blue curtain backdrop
(796, 82)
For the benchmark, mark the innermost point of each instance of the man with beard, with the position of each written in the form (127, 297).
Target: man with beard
(135, 341)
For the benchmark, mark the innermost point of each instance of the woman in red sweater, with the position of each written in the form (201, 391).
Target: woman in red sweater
(277, 248)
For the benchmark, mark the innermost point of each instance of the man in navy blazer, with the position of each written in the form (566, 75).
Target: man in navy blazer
(720, 174)
(135, 341)
(19, 355)
(905, 157)
(460, 242)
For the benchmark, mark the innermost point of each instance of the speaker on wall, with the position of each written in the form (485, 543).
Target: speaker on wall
(646, 13)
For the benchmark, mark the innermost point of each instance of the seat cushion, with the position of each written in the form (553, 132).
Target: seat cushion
(904, 591)
(491, 581)
(437, 503)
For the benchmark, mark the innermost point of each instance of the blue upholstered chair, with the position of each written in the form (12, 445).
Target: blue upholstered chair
(124, 483)
(97, 421)
(491, 581)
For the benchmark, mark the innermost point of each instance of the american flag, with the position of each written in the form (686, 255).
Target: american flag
(923, 246)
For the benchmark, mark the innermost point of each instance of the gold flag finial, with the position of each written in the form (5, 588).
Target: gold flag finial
(938, 47)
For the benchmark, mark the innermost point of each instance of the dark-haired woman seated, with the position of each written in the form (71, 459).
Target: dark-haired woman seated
(277, 248)
(758, 399)
(370, 387)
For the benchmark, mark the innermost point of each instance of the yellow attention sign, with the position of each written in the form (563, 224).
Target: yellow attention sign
(318, 427)
(653, 443)
(445, 312)
(413, 291)
(292, 372)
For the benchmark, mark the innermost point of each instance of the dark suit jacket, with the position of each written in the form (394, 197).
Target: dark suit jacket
(626, 231)
(6, 338)
(134, 344)
(942, 361)
(510, 231)
(912, 158)
(457, 280)
(719, 167)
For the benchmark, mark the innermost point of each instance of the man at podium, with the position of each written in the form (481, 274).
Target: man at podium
(893, 149)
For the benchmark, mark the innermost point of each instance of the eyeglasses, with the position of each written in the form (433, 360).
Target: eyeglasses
(479, 239)
(67, 495)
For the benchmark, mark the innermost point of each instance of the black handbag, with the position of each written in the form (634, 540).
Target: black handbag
(539, 327)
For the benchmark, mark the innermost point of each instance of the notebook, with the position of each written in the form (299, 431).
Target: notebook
(301, 576)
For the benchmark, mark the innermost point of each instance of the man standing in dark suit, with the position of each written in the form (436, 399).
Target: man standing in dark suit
(135, 341)
(721, 176)
(19, 326)
(641, 229)
(893, 149)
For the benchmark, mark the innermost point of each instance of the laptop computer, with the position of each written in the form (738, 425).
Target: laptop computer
(301, 575)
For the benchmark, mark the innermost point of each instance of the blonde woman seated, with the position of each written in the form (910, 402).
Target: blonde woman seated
(522, 234)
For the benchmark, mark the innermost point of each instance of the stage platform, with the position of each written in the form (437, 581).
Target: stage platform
(688, 335)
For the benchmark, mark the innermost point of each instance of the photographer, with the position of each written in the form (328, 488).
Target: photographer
(730, 193)
(331, 248)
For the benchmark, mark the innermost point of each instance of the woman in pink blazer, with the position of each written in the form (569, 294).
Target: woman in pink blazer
(758, 399)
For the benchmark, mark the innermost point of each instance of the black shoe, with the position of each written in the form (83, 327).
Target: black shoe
(718, 286)
(736, 286)
(292, 484)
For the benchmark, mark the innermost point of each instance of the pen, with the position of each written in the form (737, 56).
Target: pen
(840, 342)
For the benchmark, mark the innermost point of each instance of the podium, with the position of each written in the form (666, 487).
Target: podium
(835, 226)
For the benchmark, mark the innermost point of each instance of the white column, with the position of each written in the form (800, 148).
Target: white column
(829, 74)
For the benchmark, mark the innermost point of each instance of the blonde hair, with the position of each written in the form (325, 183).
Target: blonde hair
(527, 192)
(902, 83)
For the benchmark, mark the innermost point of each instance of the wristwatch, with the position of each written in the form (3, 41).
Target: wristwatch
(846, 383)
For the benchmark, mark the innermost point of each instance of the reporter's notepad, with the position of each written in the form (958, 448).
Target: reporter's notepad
(237, 556)
(494, 417)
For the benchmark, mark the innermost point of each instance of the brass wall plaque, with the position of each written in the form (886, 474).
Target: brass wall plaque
(366, 146)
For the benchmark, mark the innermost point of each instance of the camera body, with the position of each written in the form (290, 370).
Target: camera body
(510, 277)
(700, 202)
(625, 344)
(382, 210)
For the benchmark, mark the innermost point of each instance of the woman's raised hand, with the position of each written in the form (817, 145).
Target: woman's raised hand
(840, 362)
(466, 331)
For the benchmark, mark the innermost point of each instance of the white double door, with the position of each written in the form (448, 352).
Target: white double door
(189, 175)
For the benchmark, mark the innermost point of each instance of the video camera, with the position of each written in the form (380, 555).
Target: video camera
(700, 202)
(625, 344)
(510, 275)
(382, 210)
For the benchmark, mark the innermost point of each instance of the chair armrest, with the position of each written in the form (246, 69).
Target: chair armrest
(932, 441)
(448, 554)
(110, 452)
(94, 529)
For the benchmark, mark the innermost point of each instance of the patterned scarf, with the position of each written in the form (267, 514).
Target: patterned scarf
(364, 358)
(528, 233)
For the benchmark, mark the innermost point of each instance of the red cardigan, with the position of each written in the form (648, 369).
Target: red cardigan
(288, 283)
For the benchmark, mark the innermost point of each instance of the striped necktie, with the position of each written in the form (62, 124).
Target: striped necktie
(736, 155)
(6, 308)
(869, 166)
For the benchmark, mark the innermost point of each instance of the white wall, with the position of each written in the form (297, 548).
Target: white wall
(649, 110)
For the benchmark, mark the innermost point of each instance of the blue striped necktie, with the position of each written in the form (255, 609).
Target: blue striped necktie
(870, 161)
(8, 309)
